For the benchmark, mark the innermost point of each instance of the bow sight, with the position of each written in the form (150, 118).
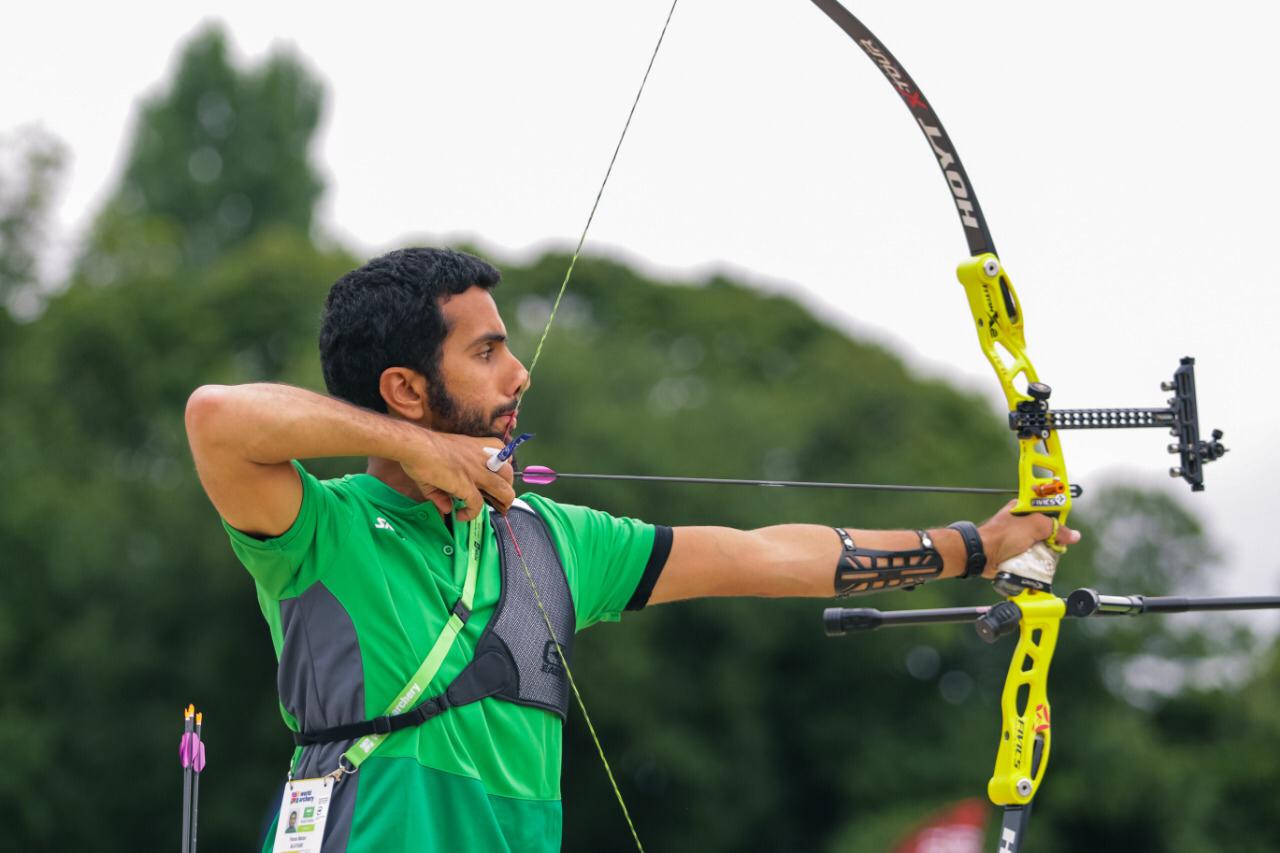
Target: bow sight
(1034, 419)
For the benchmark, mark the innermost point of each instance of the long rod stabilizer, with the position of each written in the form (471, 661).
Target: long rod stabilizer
(1081, 603)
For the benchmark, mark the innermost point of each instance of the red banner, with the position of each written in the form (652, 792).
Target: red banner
(956, 829)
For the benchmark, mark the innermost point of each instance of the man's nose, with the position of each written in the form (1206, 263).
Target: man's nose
(522, 375)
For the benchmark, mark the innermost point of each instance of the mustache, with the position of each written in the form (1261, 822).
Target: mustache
(506, 409)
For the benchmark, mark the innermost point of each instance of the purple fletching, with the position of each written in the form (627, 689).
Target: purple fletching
(187, 749)
(538, 475)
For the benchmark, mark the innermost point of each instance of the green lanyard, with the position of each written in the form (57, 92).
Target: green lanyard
(417, 686)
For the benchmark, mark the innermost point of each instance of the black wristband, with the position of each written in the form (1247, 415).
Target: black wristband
(975, 559)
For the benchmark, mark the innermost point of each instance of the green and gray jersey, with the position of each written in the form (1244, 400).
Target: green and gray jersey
(356, 592)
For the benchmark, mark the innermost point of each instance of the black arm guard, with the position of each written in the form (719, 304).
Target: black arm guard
(864, 570)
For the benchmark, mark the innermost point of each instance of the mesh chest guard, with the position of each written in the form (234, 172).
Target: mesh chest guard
(515, 659)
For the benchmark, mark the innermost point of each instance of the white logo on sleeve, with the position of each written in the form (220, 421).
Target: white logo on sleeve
(382, 524)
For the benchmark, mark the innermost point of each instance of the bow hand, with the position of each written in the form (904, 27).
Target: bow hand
(1024, 549)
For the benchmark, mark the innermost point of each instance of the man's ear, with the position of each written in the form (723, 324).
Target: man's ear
(405, 392)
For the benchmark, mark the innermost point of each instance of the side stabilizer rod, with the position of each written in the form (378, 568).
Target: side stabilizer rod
(839, 621)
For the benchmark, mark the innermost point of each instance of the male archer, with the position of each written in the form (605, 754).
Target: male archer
(361, 579)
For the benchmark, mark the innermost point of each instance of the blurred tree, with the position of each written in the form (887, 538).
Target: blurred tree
(31, 164)
(117, 599)
(217, 155)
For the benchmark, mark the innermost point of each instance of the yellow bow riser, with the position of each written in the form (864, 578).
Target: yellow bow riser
(1026, 734)
(1042, 474)
(1023, 755)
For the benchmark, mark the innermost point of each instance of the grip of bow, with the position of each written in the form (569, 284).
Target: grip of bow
(1026, 735)
(1043, 486)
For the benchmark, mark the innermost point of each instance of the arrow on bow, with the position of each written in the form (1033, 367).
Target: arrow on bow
(541, 475)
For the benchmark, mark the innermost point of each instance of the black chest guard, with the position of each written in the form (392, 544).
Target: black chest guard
(516, 658)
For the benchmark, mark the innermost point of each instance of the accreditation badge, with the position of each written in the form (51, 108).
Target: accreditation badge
(304, 809)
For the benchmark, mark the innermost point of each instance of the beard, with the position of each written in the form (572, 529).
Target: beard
(449, 415)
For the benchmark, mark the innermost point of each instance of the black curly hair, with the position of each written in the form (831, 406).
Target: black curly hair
(387, 314)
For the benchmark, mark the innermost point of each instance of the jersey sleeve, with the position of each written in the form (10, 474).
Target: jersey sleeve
(280, 565)
(611, 563)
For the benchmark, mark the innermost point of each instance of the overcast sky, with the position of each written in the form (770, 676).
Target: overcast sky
(1123, 155)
